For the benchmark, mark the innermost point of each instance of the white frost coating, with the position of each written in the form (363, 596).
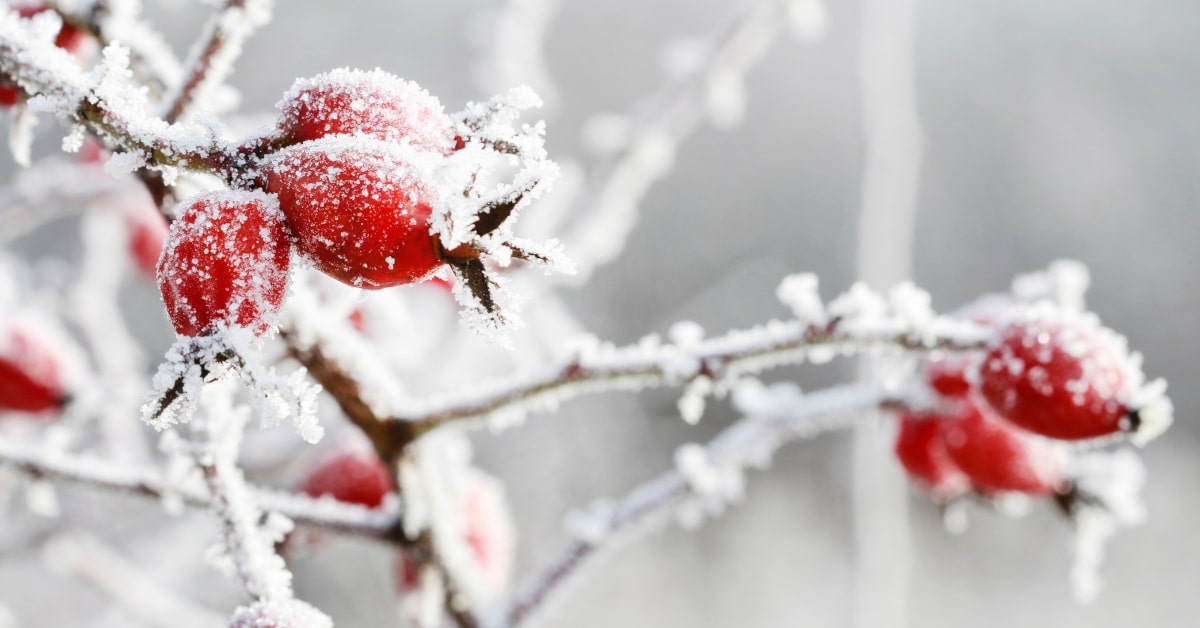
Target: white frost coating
(515, 56)
(20, 133)
(1064, 282)
(42, 500)
(228, 355)
(228, 30)
(712, 486)
(800, 294)
(1155, 412)
(1110, 485)
(866, 324)
(215, 433)
(288, 613)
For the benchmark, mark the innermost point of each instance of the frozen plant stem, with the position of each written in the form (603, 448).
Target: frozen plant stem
(324, 513)
(749, 442)
(719, 358)
(212, 59)
(615, 187)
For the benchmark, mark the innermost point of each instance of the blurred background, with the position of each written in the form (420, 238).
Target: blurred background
(1062, 129)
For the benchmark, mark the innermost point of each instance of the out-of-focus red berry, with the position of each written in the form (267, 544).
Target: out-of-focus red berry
(1061, 377)
(998, 457)
(31, 369)
(922, 452)
(350, 477)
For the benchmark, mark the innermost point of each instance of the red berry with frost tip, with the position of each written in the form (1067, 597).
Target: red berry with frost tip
(998, 457)
(351, 477)
(1063, 376)
(32, 368)
(377, 104)
(921, 450)
(359, 209)
(225, 263)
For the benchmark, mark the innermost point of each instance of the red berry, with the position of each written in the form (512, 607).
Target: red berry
(225, 263)
(10, 95)
(359, 210)
(922, 452)
(350, 477)
(1060, 377)
(948, 377)
(355, 102)
(998, 457)
(147, 232)
(31, 369)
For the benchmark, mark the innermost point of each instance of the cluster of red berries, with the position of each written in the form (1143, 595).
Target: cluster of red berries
(355, 193)
(69, 38)
(1001, 417)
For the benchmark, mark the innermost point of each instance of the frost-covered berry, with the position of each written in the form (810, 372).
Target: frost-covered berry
(488, 532)
(355, 478)
(998, 457)
(1062, 376)
(921, 450)
(33, 369)
(69, 38)
(225, 263)
(359, 208)
(147, 233)
(354, 102)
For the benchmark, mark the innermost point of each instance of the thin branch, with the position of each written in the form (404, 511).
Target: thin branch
(746, 443)
(212, 58)
(324, 513)
(40, 68)
(609, 202)
(720, 358)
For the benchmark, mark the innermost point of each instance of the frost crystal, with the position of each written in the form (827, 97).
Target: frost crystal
(288, 613)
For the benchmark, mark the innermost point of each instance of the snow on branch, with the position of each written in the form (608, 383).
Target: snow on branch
(105, 101)
(705, 479)
(324, 513)
(150, 57)
(857, 322)
(211, 61)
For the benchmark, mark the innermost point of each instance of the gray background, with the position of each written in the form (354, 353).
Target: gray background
(1053, 129)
